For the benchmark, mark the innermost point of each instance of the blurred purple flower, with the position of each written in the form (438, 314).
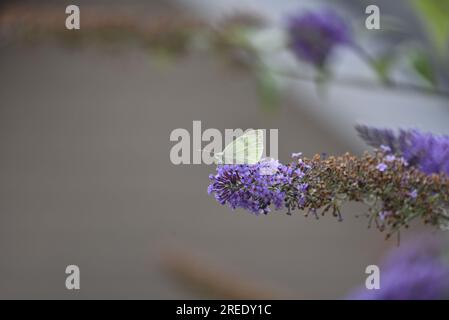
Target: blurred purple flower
(426, 151)
(430, 153)
(376, 137)
(314, 35)
(414, 271)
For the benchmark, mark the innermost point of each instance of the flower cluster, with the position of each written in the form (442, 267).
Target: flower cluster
(249, 187)
(426, 151)
(394, 192)
(314, 35)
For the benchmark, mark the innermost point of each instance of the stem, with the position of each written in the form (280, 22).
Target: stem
(366, 84)
(385, 81)
(374, 64)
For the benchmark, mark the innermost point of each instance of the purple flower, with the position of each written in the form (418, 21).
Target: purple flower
(390, 158)
(381, 167)
(299, 173)
(413, 194)
(268, 166)
(430, 153)
(314, 35)
(303, 187)
(420, 281)
(416, 270)
(385, 149)
(426, 151)
(384, 214)
(243, 186)
(302, 196)
(377, 137)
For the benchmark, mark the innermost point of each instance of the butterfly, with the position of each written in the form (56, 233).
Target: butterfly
(246, 149)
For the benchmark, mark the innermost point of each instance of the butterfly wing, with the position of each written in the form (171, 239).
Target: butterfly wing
(246, 149)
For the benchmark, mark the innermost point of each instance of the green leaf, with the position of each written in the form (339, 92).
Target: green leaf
(435, 14)
(267, 89)
(383, 65)
(423, 68)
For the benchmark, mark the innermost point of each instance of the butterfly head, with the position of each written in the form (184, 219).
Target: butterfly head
(219, 157)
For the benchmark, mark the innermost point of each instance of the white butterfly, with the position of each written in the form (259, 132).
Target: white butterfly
(246, 149)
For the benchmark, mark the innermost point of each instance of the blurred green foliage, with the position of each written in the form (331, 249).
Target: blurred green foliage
(423, 67)
(267, 89)
(435, 15)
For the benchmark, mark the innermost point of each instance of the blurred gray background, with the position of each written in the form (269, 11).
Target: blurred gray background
(86, 179)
